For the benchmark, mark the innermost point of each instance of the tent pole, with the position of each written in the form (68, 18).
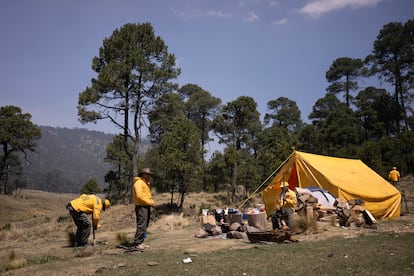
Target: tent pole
(264, 182)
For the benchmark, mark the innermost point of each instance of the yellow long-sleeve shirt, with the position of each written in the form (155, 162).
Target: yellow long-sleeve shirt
(89, 204)
(141, 192)
(394, 175)
(289, 201)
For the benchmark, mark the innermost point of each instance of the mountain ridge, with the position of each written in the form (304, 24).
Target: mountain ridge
(65, 159)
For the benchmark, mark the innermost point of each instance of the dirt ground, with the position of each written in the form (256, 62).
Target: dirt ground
(35, 223)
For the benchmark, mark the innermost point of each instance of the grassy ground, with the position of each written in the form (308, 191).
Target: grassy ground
(373, 254)
(34, 229)
(337, 256)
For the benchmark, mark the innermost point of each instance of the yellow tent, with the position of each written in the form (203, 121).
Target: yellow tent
(344, 178)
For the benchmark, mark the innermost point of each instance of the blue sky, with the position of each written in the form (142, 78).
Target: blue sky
(265, 49)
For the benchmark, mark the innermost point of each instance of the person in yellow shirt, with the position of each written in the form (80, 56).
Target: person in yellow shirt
(82, 206)
(285, 207)
(141, 194)
(394, 176)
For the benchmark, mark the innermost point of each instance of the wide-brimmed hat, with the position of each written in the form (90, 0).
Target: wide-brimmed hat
(147, 171)
(284, 184)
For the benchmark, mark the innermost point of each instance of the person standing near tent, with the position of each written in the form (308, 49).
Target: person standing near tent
(285, 206)
(143, 202)
(394, 176)
(82, 206)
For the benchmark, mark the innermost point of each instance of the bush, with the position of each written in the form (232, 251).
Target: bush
(90, 187)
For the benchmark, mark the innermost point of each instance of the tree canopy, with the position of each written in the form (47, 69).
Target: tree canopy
(90, 187)
(343, 75)
(134, 69)
(392, 60)
(17, 135)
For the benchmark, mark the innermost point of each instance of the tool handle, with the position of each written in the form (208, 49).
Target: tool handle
(93, 231)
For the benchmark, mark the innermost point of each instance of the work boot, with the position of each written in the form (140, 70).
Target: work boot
(140, 247)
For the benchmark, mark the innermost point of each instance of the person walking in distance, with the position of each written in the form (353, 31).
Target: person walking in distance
(143, 202)
(394, 176)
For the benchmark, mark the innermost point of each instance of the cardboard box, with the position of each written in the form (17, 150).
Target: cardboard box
(208, 219)
(232, 218)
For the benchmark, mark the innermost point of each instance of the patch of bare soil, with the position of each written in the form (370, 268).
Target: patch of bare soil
(35, 226)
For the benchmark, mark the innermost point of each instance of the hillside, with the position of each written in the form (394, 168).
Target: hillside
(66, 158)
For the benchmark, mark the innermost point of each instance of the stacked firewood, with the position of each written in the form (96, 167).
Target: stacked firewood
(306, 202)
(309, 207)
(353, 213)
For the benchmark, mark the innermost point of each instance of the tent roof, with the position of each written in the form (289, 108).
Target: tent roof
(344, 178)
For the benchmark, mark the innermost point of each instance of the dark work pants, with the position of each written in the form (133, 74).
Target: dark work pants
(84, 226)
(143, 216)
(286, 214)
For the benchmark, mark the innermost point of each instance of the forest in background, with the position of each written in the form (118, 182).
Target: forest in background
(65, 159)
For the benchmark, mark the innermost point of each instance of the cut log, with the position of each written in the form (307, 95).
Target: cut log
(278, 236)
(257, 220)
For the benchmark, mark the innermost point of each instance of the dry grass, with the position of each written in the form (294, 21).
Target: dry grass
(172, 222)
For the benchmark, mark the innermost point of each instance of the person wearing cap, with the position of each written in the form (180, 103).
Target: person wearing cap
(285, 206)
(141, 194)
(394, 176)
(79, 208)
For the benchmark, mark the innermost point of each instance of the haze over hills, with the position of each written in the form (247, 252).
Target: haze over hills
(65, 159)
